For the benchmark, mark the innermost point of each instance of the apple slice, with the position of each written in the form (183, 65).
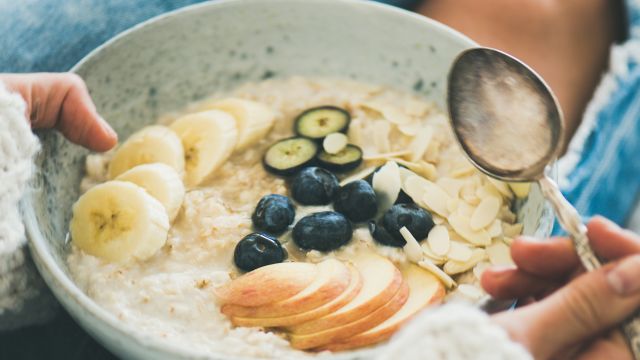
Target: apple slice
(381, 281)
(267, 284)
(424, 290)
(378, 316)
(350, 292)
(333, 278)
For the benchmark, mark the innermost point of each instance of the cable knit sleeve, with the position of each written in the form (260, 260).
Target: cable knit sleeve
(24, 299)
(453, 331)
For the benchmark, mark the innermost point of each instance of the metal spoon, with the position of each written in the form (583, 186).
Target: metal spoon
(509, 124)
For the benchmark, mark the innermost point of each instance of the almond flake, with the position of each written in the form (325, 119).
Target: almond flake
(438, 240)
(386, 185)
(390, 113)
(414, 187)
(386, 156)
(506, 215)
(411, 129)
(411, 248)
(437, 219)
(358, 176)
(521, 190)
(460, 225)
(495, 229)
(499, 254)
(334, 143)
(453, 267)
(452, 205)
(420, 143)
(459, 252)
(501, 186)
(405, 173)
(470, 291)
(485, 213)
(451, 186)
(438, 260)
(382, 130)
(512, 230)
(462, 170)
(422, 168)
(431, 267)
(487, 190)
(507, 240)
(435, 198)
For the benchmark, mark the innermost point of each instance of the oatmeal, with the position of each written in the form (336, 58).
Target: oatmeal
(391, 157)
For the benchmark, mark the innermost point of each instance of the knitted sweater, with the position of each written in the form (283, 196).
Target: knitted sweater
(448, 332)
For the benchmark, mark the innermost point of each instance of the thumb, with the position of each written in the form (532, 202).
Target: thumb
(588, 306)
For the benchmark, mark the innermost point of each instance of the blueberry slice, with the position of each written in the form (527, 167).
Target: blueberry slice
(288, 156)
(318, 122)
(356, 200)
(314, 186)
(258, 250)
(323, 231)
(347, 159)
(273, 214)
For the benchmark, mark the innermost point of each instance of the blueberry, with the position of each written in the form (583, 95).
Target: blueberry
(273, 214)
(258, 250)
(324, 231)
(314, 186)
(382, 236)
(357, 201)
(418, 221)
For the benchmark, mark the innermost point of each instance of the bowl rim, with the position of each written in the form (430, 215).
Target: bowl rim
(61, 284)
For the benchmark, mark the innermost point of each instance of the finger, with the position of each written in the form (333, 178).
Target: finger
(613, 346)
(610, 241)
(62, 101)
(590, 305)
(510, 283)
(554, 258)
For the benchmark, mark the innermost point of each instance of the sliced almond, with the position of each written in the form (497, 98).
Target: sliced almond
(512, 230)
(501, 186)
(334, 143)
(414, 187)
(459, 252)
(404, 174)
(495, 229)
(521, 190)
(470, 291)
(506, 215)
(390, 113)
(437, 219)
(386, 185)
(453, 267)
(422, 168)
(431, 267)
(487, 190)
(438, 260)
(386, 156)
(452, 205)
(438, 240)
(462, 170)
(410, 129)
(450, 185)
(460, 225)
(411, 248)
(485, 213)
(382, 129)
(435, 198)
(499, 254)
(420, 143)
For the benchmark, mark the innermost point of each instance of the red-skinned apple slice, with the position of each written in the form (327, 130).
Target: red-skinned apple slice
(424, 290)
(378, 316)
(350, 292)
(333, 278)
(267, 284)
(381, 281)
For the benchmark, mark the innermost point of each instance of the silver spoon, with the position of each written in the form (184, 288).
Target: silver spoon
(509, 124)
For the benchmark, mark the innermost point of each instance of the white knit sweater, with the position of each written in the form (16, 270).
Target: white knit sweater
(449, 332)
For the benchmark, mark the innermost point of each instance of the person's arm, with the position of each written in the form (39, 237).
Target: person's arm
(58, 101)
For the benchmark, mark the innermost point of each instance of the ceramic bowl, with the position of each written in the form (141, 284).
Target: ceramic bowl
(169, 61)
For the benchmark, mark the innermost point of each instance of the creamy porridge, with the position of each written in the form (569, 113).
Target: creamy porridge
(407, 149)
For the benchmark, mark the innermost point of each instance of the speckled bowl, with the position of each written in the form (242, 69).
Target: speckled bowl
(164, 63)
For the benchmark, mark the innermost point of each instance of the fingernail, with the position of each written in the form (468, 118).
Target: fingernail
(108, 128)
(623, 278)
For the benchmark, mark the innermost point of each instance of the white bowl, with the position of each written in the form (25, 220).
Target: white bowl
(164, 63)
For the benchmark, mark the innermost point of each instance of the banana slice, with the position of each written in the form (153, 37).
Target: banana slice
(161, 181)
(208, 139)
(253, 119)
(151, 144)
(118, 221)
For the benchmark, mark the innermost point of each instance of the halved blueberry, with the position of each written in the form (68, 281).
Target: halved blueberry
(288, 156)
(347, 159)
(318, 122)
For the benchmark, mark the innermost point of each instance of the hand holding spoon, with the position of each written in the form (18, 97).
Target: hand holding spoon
(509, 124)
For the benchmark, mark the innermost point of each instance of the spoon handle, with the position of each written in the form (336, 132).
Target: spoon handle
(570, 220)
